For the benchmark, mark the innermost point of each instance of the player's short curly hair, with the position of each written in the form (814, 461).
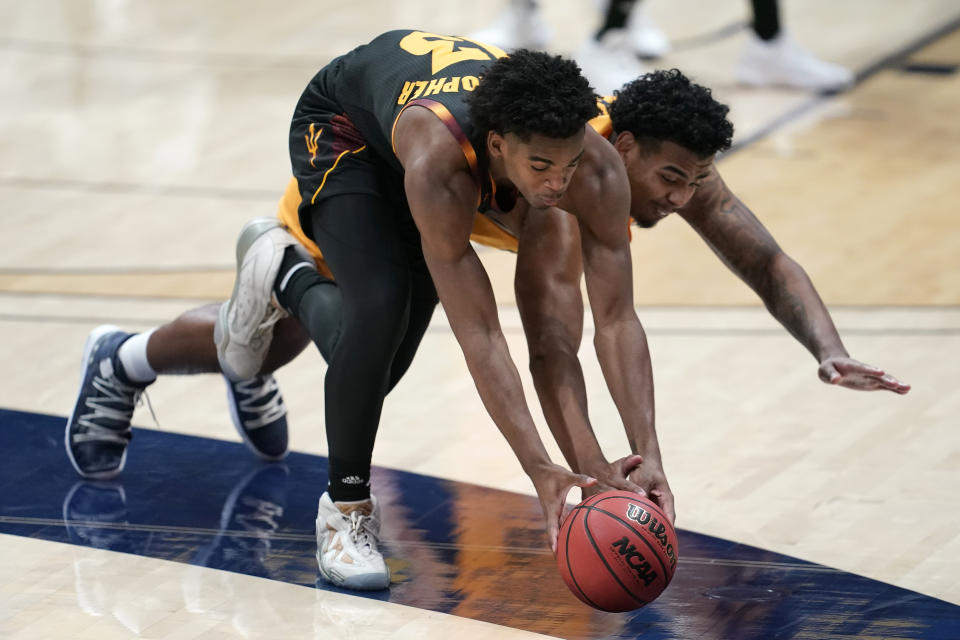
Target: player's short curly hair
(532, 93)
(665, 105)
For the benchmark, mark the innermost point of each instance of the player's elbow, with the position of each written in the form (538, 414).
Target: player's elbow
(782, 270)
(780, 274)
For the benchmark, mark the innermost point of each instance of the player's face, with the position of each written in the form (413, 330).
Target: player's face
(540, 168)
(663, 177)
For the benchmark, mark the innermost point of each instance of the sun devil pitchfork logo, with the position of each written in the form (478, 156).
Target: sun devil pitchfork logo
(644, 518)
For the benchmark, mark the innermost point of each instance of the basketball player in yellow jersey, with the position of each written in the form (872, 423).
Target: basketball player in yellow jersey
(666, 131)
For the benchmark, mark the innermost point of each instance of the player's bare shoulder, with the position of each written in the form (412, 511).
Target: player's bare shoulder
(422, 142)
(439, 185)
(599, 188)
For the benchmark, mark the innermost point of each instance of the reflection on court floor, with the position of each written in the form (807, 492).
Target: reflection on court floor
(453, 547)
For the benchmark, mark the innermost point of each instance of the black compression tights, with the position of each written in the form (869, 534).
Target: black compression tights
(386, 299)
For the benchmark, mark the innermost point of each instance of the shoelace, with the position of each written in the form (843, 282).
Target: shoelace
(124, 397)
(255, 390)
(360, 532)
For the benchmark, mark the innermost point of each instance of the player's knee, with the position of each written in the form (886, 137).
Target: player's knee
(378, 318)
(387, 302)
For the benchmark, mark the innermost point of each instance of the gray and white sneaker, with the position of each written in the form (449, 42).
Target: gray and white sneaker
(244, 327)
(347, 537)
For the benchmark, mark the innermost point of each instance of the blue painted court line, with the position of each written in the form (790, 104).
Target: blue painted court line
(453, 547)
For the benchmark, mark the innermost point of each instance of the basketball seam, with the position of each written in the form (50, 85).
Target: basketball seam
(656, 554)
(613, 574)
(566, 552)
(660, 512)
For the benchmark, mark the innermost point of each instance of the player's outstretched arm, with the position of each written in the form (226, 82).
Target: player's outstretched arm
(442, 198)
(748, 249)
(601, 200)
(547, 285)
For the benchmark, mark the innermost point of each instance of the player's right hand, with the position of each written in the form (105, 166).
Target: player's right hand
(614, 475)
(853, 374)
(553, 483)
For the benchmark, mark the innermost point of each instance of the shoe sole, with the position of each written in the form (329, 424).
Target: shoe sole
(365, 582)
(221, 337)
(238, 425)
(222, 340)
(92, 339)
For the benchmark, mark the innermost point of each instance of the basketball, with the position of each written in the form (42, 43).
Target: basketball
(617, 551)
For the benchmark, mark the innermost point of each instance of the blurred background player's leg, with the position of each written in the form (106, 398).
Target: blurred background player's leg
(612, 57)
(607, 59)
(519, 26)
(772, 58)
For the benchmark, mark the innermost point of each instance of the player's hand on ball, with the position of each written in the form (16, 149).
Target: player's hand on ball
(853, 374)
(653, 480)
(614, 476)
(553, 483)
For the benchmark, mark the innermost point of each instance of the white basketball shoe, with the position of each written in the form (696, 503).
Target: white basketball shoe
(610, 62)
(244, 327)
(783, 62)
(347, 538)
(646, 38)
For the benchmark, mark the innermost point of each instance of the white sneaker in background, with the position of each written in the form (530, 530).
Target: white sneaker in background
(347, 538)
(647, 39)
(783, 62)
(519, 26)
(610, 62)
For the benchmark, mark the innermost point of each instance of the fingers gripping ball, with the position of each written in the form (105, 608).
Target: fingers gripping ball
(617, 551)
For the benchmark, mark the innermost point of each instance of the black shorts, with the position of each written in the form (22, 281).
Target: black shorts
(330, 157)
(333, 165)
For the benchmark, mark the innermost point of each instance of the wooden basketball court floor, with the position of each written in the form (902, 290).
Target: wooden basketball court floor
(137, 137)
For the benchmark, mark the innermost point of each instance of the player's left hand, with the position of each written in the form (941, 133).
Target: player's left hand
(553, 483)
(653, 480)
(853, 374)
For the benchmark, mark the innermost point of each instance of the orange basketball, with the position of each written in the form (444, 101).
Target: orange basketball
(617, 551)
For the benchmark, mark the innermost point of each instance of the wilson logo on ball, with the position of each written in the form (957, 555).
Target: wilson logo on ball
(643, 517)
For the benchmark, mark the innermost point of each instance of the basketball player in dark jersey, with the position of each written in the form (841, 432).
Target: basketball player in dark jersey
(394, 147)
(666, 131)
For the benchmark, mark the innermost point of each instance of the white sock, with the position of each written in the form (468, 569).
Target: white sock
(133, 357)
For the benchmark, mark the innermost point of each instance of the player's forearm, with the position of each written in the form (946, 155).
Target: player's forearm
(558, 379)
(791, 298)
(625, 361)
(498, 383)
